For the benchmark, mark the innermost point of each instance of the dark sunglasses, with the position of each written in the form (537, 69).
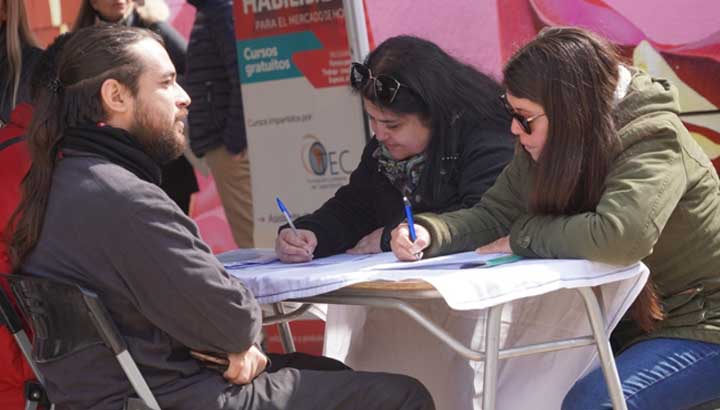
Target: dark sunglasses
(385, 87)
(524, 122)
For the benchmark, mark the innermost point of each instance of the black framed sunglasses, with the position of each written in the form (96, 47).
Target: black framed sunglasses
(385, 87)
(524, 122)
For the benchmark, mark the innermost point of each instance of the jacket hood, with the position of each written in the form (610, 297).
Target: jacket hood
(153, 11)
(646, 95)
(650, 106)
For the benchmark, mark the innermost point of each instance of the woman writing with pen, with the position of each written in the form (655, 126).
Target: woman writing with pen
(440, 140)
(607, 172)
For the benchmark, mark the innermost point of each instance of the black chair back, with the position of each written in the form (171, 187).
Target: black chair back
(61, 321)
(66, 318)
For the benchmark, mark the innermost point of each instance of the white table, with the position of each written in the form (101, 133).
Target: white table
(553, 282)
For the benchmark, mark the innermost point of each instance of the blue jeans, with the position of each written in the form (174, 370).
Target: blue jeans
(667, 374)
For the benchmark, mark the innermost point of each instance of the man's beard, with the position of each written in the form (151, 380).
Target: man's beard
(159, 142)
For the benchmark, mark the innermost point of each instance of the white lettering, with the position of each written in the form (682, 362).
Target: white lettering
(267, 67)
(259, 6)
(263, 5)
(257, 53)
(265, 24)
(248, 4)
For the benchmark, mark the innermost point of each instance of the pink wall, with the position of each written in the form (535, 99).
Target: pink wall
(467, 29)
(182, 16)
(671, 22)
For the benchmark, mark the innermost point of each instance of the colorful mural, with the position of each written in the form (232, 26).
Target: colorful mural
(676, 40)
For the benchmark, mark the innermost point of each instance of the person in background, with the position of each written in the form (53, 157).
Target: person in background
(606, 172)
(112, 113)
(440, 140)
(178, 178)
(18, 55)
(217, 124)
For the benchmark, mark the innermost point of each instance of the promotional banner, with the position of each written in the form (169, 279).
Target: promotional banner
(305, 128)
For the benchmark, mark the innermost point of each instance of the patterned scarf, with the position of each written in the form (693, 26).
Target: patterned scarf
(405, 174)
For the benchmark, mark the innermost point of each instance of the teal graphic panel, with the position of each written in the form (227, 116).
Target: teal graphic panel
(270, 58)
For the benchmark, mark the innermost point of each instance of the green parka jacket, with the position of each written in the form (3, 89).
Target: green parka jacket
(661, 205)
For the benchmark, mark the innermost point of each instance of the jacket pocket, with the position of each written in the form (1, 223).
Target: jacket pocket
(692, 307)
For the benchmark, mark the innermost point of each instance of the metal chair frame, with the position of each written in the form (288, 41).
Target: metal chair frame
(35, 394)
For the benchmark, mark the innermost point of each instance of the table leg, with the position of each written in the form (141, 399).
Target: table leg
(284, 331)
(607, 362)
(492, 348)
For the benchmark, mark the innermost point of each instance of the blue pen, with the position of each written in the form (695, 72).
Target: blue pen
(286, 213)
(288, 218)
(409, 216)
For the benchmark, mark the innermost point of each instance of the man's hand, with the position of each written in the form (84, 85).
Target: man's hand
(245, 366)
(370, 243)
(295, 248)
(501, 245)
(404, 248)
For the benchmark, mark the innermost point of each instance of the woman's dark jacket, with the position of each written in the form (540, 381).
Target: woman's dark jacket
(369, 201)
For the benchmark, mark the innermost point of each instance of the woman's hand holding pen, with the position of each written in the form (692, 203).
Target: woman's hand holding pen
(295, 247)
(403, 247)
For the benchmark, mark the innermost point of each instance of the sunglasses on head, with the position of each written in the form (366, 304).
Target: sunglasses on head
(385, 87)
(524, 122)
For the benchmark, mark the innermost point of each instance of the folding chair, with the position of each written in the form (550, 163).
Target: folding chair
(34, 392)
(66, 318)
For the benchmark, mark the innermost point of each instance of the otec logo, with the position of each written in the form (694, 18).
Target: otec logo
(319, 161)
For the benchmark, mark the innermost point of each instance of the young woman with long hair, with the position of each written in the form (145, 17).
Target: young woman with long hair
(606, 171)
(440, 140)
